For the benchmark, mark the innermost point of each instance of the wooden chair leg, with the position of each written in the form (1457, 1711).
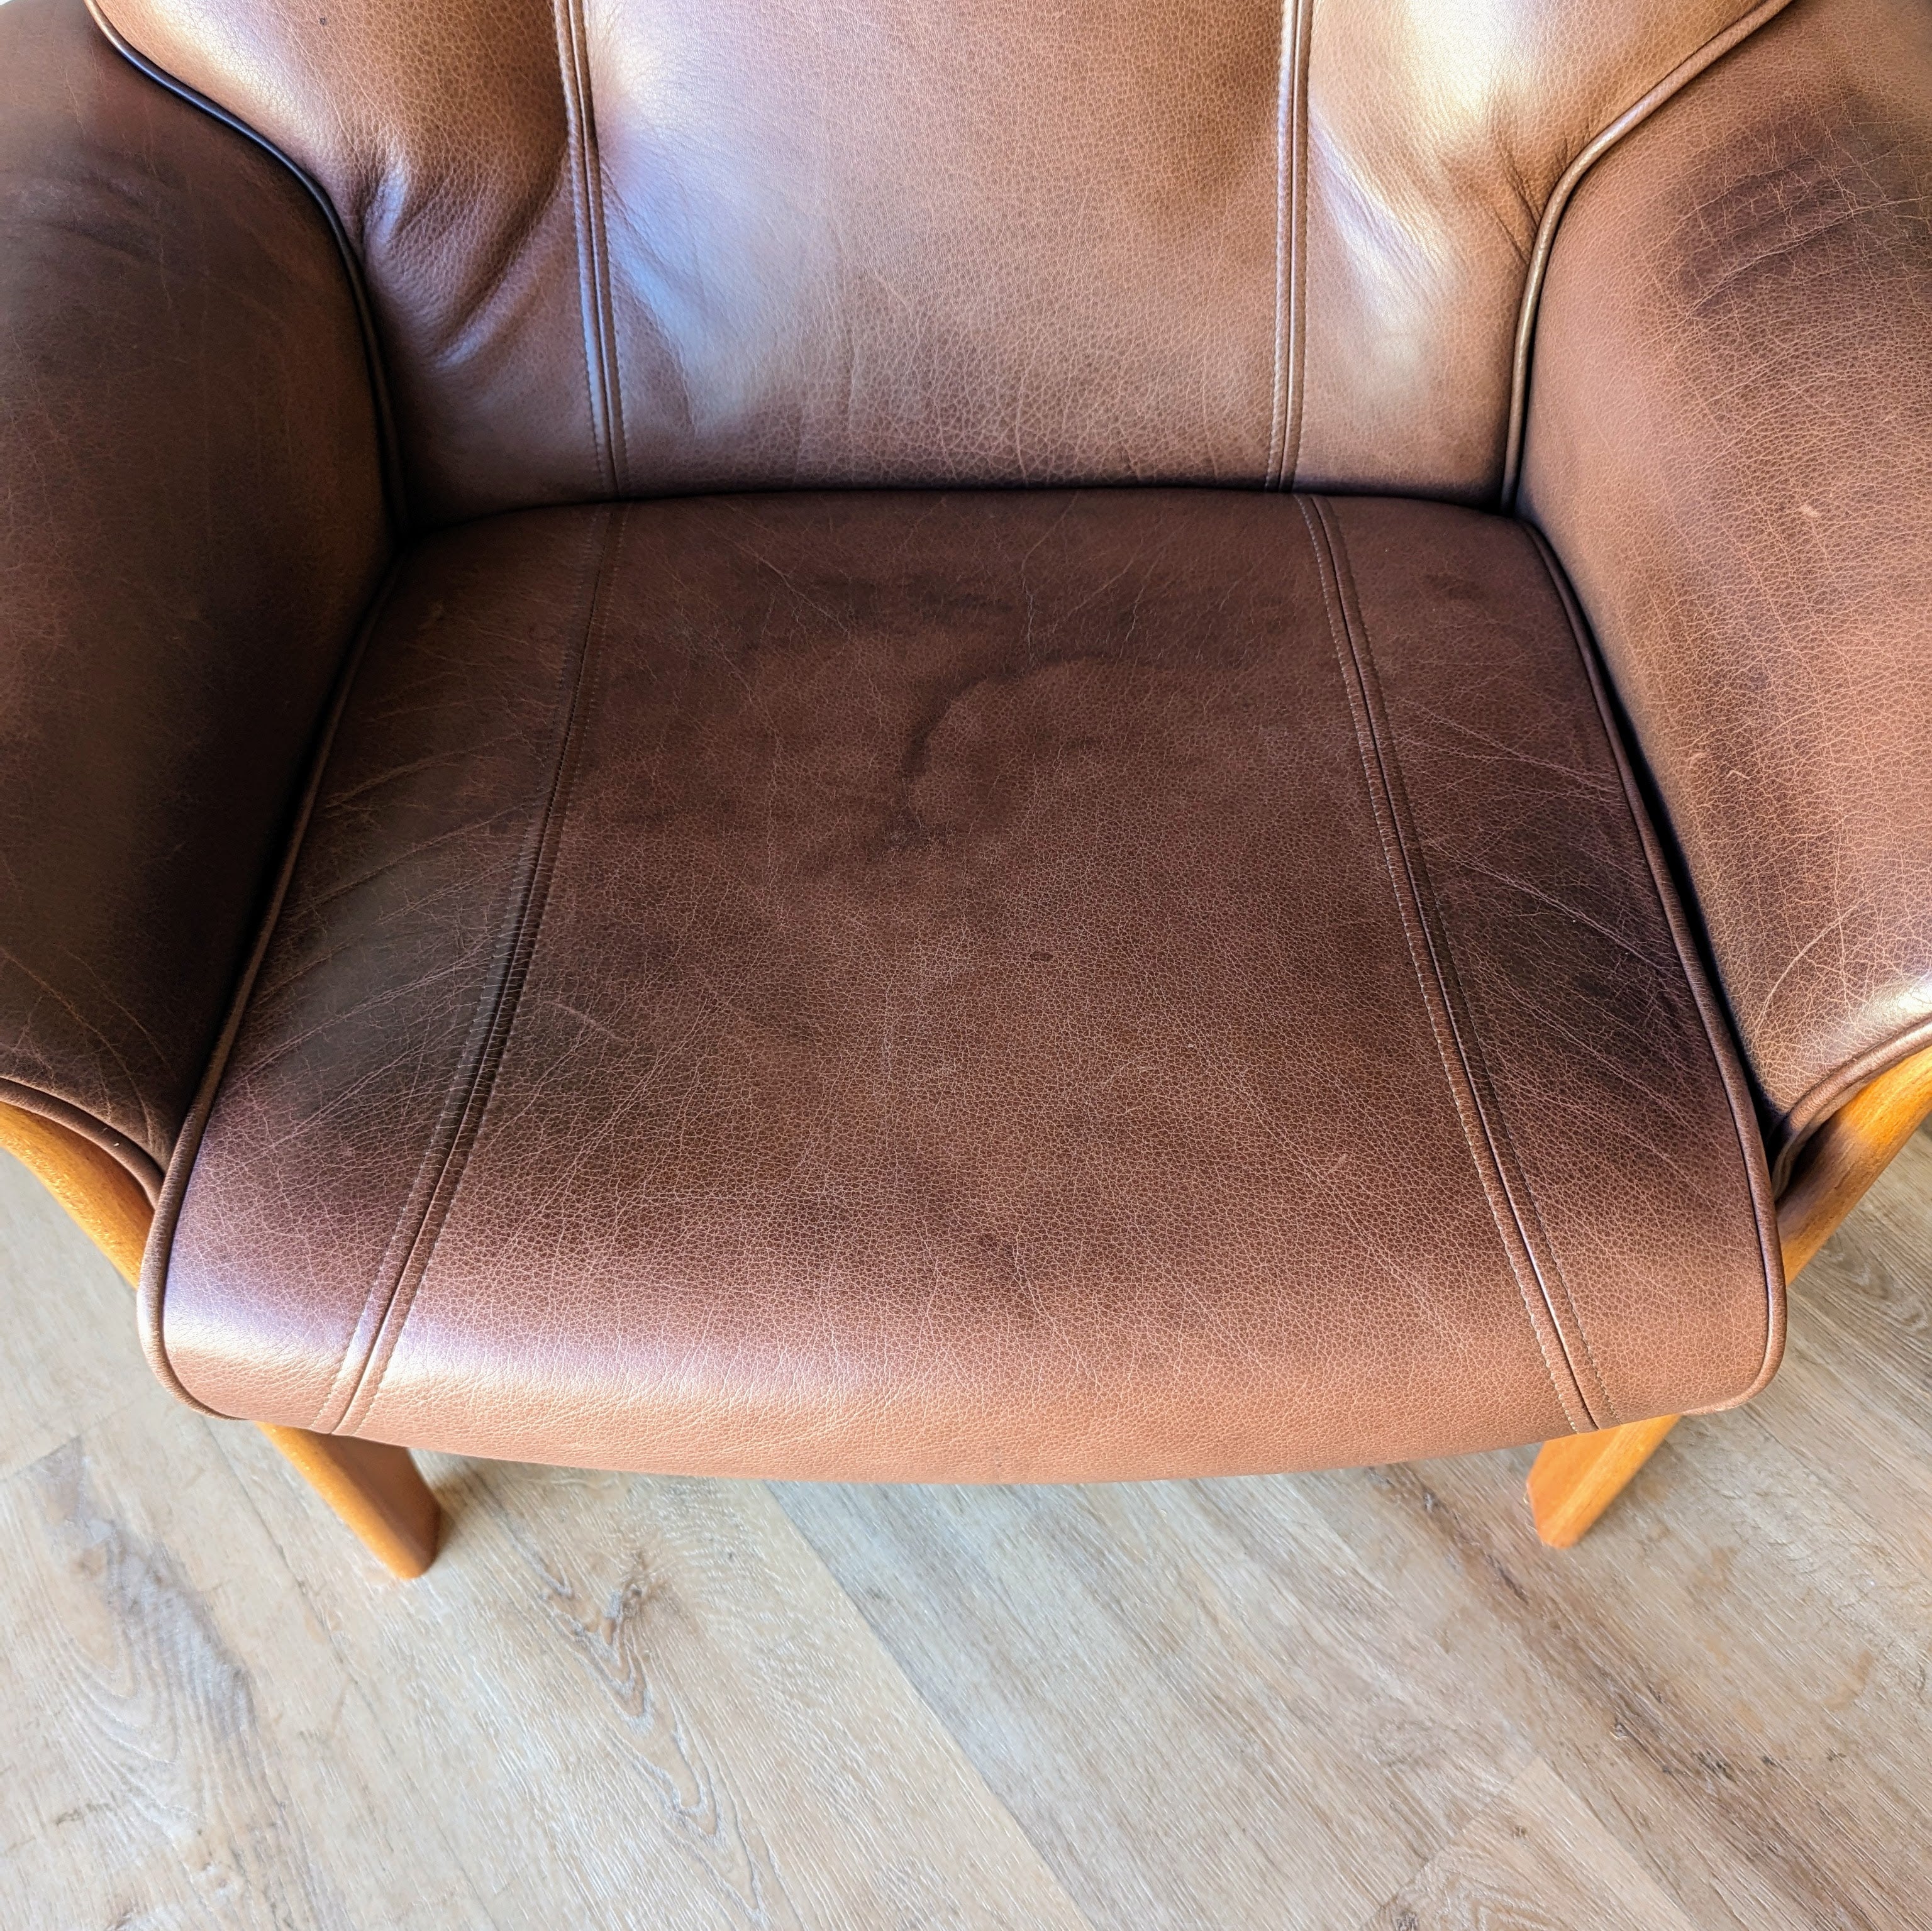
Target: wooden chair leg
(373, 1487)
(1577, 1477)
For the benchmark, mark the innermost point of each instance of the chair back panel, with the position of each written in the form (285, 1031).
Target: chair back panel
(631, 246)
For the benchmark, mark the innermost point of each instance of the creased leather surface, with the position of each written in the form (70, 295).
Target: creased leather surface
(620, 249)
(1730, 443)
(1438, 130)
(1012, 986)
(190, 520)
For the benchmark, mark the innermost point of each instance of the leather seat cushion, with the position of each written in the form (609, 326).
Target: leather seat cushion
(1008, 986)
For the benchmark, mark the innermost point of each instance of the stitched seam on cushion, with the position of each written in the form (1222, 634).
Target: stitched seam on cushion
(1724, 1051)
(1509, 1172)
(1512, 1172)
(1543, 1249)
(444, 1160)
(139, 1165)
(1634, 116)
(1377, 759)
(593, 261)
(1291, 192)
(1505, 1174)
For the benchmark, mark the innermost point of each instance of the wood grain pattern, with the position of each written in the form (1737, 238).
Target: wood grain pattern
(1535, 1859)
(373, 1489)
(98, 1192)
(1364, 1699)
(615, 1702)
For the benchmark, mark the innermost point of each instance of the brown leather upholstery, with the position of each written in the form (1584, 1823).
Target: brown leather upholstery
(993, 982)
(624, 249)
(998, 986)
(190, 521)
(1731, 444)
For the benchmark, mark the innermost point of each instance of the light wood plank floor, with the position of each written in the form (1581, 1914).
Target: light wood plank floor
(1366, 1699)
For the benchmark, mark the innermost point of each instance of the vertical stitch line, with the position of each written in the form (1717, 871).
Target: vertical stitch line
(1512, 1178)
(395, 494)
(509, 1000)
(1278, 379)
(586, 187)
(1639, 110)
(606, 310)
(444, 1158)
(1290, 91)
(152, 1293)
(1426, 966)
(1296, 381)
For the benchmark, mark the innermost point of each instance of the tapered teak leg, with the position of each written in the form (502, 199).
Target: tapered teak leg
(1577, 1477)
(373, 1487)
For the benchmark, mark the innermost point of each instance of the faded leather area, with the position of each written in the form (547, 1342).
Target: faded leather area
(1731, 445)
(1014, 986)
(622, 250)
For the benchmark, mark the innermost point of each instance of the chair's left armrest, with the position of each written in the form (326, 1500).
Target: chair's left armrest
(1730, 444)
(191, 519)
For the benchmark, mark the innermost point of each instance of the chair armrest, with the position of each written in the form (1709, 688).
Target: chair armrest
(1730, 446)
(191, 520)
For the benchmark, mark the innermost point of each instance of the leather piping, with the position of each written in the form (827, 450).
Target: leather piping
(593, 258)
(1724, 1049)
(1291, 190)
(1825, 1096)
(1640, 110)
(142, 1167)
(152, 1291)
(359, 1377)
(395, 501)
(1484, 1129)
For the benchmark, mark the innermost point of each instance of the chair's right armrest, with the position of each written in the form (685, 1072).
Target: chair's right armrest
(191, 521)
(1730, 446)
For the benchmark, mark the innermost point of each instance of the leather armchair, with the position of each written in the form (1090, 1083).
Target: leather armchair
(957, 743)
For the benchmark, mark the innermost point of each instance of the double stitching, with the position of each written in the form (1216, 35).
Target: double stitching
(1485, 1130)
(445, 1161)
(1291, 201)
(593, 255)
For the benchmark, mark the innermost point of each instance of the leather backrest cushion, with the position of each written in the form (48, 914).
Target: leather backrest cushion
(617, 247)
